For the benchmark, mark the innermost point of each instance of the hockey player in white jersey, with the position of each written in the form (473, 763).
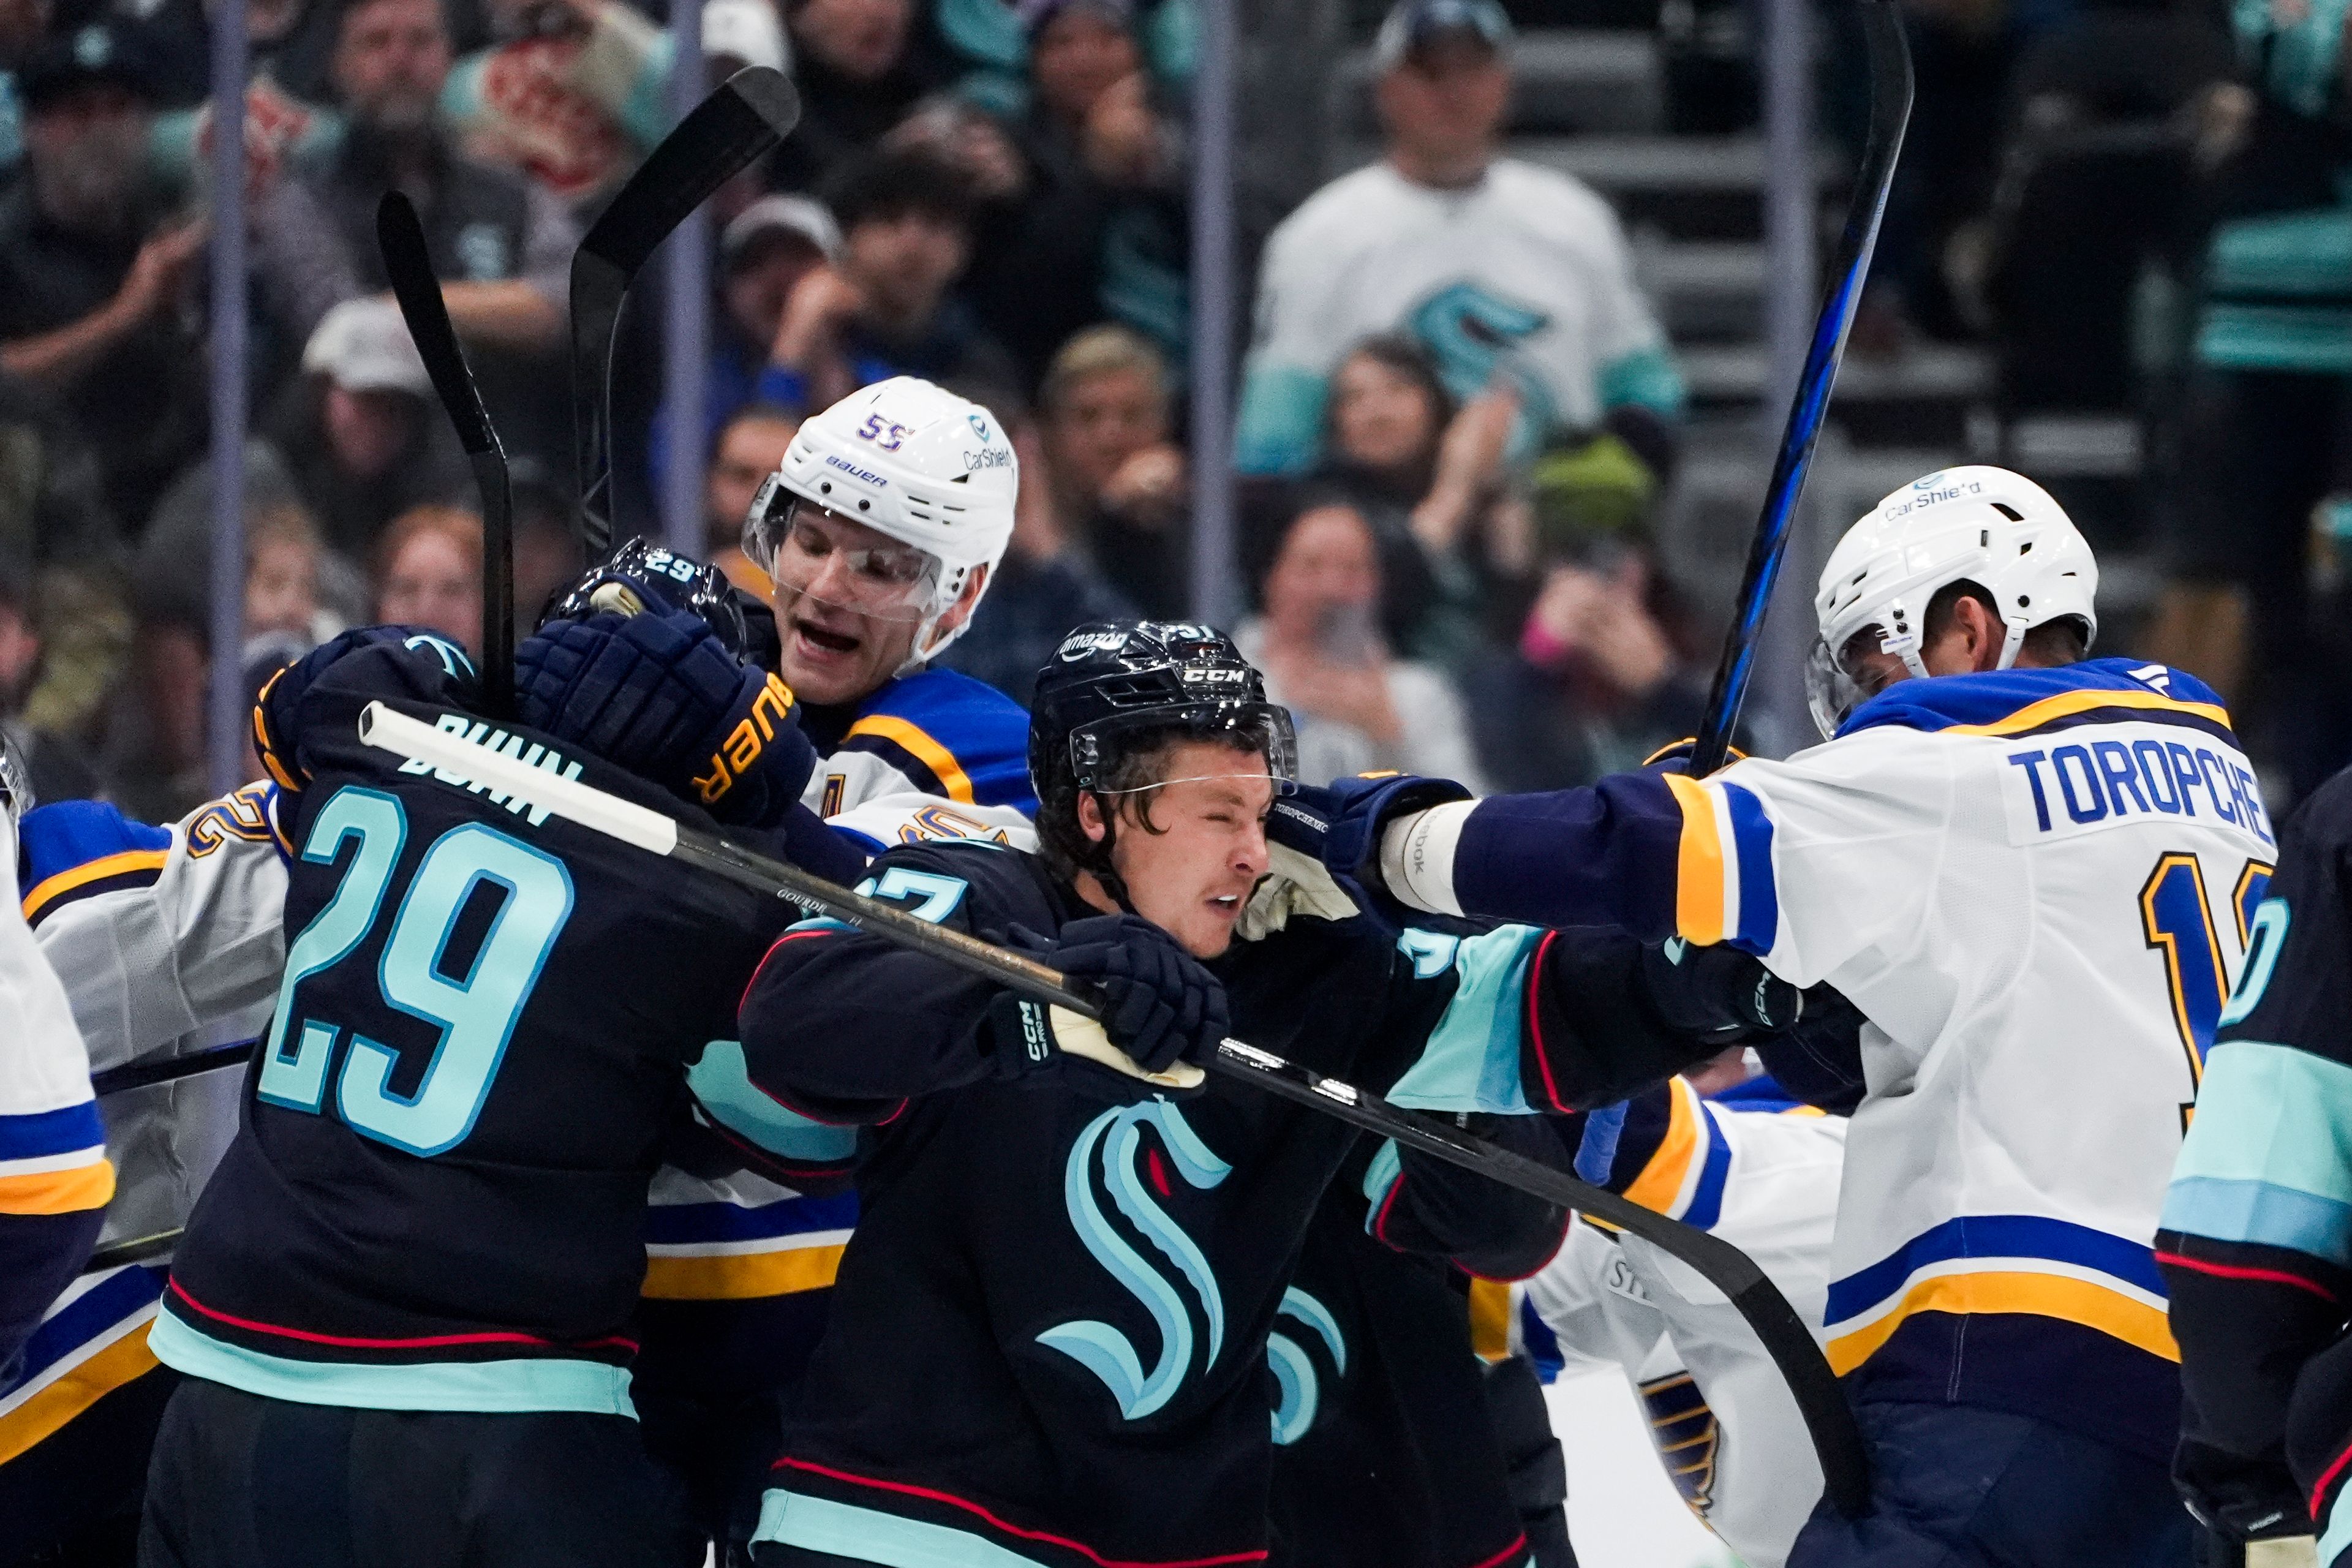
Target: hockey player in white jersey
(1761, 1172)
(2032, 873)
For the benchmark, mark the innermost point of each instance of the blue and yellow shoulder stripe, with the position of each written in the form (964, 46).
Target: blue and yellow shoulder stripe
(956, 737)
(76, 849)
(2012, 704)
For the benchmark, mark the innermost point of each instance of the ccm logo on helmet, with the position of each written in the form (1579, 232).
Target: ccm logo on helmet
(853, 471)
(749, 739)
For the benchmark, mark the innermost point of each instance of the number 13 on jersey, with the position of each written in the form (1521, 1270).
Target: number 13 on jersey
(2177, 918)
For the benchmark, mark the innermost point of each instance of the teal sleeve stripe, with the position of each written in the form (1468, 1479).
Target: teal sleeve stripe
(1385, 1169)
(1280, 427)
(2335, 1538)
(2260, 1212)
(1472, 1060)
(869, 1535)
(1646, 377)
(2276, 337)
(2292, 253)
(723, 1085)
(2272, 1117)
(499, 1387)
(645, 113)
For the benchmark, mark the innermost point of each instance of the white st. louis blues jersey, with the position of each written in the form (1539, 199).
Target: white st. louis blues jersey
(2037, 887)
(1725, 1426)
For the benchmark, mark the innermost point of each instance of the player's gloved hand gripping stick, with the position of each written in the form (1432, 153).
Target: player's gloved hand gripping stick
(467, 764)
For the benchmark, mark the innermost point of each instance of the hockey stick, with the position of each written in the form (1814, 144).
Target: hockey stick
(138, 1249)
(468, 764)
(749, 113)
(409, 266)
(1890, 113)
(145, 1075)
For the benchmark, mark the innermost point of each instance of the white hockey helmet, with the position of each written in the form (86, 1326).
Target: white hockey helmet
(1983, 525)
(914, 463)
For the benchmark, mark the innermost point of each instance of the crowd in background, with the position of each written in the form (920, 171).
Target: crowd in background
(1458, 413)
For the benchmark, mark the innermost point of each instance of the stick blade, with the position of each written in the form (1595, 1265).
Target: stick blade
(743, 118)
(409, 265)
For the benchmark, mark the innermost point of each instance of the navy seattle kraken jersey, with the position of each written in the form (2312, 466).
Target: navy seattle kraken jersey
(435, 1198)
(1049, 1336)
(1384, 1451)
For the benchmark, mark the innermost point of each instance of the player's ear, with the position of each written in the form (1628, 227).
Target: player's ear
(1985, 631)
(1090, 817)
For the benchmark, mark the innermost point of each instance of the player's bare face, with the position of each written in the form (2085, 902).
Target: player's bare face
(1191, 877)
(849, 600)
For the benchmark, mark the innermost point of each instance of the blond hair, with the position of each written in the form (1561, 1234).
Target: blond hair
(1100, 351)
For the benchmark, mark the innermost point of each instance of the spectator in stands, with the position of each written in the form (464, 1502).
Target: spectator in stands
(1319, 644)
(428, 572)
(763, 252)
(57, 536)
(1100, 227)
(499, 242)
(60, 769)
(359, 437)
(1428, 477)
(23, 24)
(282, 552)
(859, 71)
(1606, 667)
(95, 282)
(884, 309)
(1042, 588)
(1506, 272)
(1120, 486)
(2266, 434)
(749, 448)
(152, 761)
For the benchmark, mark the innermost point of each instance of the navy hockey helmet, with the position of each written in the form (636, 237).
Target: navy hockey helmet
(1116, 688)
(641, 576)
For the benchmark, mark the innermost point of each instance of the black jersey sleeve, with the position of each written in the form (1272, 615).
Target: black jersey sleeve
(1424, 1204)
(2255, 1241)
(844, 1027)
(305, 719)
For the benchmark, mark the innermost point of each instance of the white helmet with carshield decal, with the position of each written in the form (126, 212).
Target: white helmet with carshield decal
(917, 464)
(1983, 525)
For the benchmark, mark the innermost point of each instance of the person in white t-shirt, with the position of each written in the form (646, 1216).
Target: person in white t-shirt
(1512, 275)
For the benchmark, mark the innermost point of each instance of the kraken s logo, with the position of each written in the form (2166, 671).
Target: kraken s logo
(1097, 1346)
(1294, 1379)
(1474, 337)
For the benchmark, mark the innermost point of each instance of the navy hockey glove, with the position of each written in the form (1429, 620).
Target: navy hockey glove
(1717, 993)
(1341, 827)
(660, 695)
(1675, 757)
(277, 734)
(1159, 1005)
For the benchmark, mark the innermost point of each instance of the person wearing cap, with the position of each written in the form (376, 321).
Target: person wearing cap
(763, 252)
(93, 275)
(1509, 273)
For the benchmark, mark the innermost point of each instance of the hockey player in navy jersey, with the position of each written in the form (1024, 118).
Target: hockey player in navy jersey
(2257, 1237)
(401, 1308)
(1050, 1333)
(2034, 873)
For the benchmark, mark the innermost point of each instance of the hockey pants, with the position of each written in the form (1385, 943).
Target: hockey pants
(243, 1481)
(1953, 1486)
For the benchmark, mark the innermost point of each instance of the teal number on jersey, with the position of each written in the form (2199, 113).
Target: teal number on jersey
(476, 1014)
(939, 894)
(2177, 918)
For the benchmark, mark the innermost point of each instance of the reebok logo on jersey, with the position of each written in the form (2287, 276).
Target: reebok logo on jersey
(747, 742)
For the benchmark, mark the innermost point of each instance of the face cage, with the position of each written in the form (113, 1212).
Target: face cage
(919, 601)
(1092, 747)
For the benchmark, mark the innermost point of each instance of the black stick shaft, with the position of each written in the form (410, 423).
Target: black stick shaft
(142, 1075)
(1890, 113)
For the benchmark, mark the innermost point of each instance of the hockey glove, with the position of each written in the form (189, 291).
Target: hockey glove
(1675, 757)
(1341, 827)
(1161, 1009)
(660, 695)
(440, 672)
(1717, 993)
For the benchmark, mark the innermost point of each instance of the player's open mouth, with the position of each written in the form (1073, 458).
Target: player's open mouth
(1228, 906)
(825, 641)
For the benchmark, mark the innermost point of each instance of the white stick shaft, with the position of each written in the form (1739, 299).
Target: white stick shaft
(454, 758)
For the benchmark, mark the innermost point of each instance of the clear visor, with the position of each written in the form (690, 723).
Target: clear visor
(1246, 725)
(811, 551)
(1830, 693)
